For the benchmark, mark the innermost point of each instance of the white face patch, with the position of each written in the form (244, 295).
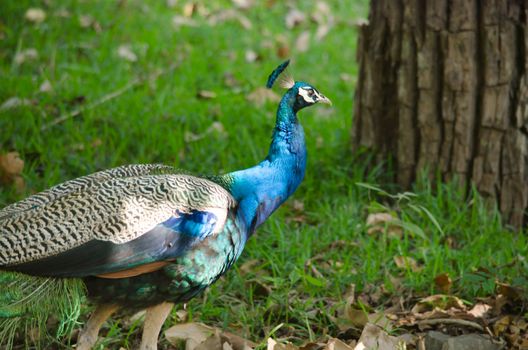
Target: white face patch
(309, 95)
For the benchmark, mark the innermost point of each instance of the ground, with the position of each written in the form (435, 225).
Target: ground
(89, 85)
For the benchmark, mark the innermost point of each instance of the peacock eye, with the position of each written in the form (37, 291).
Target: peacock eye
(310, 92)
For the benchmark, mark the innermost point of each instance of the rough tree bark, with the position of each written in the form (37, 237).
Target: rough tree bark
(443, 86)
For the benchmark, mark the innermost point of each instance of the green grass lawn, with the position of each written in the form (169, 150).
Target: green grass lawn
(164, 120)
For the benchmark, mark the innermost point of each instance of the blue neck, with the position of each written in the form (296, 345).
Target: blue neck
(263, 188)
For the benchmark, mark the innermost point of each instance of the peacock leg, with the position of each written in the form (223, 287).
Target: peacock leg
(88, 335)
(154, 319)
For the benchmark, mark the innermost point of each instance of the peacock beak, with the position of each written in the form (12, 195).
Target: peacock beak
(325, 99)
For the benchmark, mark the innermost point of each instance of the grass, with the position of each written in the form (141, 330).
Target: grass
(442, 230)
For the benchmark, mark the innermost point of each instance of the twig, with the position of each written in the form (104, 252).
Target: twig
(453, 321)
(135, 82)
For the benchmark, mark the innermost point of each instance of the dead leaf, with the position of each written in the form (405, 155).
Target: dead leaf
(189, 9)
(260, 289)
(383, 223)
(243, 4)
(500, 326)
(297, 205)
(373, 337)
(180, 21)
(171, 3)
(443, 282)
(406, 262)
(228, 15)
(262, 95)
(212, 343)
(273, 345)
(62, 13)
(379, 319)
(232, 82)
(322, 15)
(206, 94)
(346, 77)
(356, 317)
(303, 41)
(283, 51)
(86, 21)
(26, 55)
(35, 15)
(11, 163)
(251, 56)
(440, 301)
(336, 344)
(294, 17)
(236, 342)
(14, 102)
(508, 291)
(214, 127)
(480, 310)
(248, 266)
(192, 333)
(11, 167)
(125, 52)
(322, 31)
(45, 86)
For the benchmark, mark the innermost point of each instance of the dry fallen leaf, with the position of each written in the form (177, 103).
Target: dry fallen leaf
(336, 344)
(11, 166)
(303, 41)
(283, 51)
(35, 15)
(189, 9)
(262, 95)
(294, 17)
(193, 333)
(25, 55)
(215, 127)
(440, 301)
(243, 4)
(251, 56)
(273, 345)
(14, 102)
(11, 163)
(180, 21)
(46, 86)
(373, 337)
(62, 13)
(171, 3)
(85, 21)
(383, 223)
(228, 15)
(480, 310)
(443, 282)
(206, 94)
(213, 342)
(406, 262)
(126, 53)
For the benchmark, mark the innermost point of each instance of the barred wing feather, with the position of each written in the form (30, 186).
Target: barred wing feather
(115, 211)
(82, 183)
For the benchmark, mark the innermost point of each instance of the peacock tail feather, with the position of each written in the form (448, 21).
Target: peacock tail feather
(27, 302)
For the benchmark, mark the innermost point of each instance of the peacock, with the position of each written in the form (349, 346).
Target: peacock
(143, 236)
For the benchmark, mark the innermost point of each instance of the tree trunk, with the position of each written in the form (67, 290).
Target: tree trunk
(443, 86)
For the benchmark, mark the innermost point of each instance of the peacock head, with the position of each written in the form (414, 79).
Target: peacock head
(300, 94)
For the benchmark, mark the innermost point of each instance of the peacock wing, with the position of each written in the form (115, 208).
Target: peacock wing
(83, 183)
(114, 225)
